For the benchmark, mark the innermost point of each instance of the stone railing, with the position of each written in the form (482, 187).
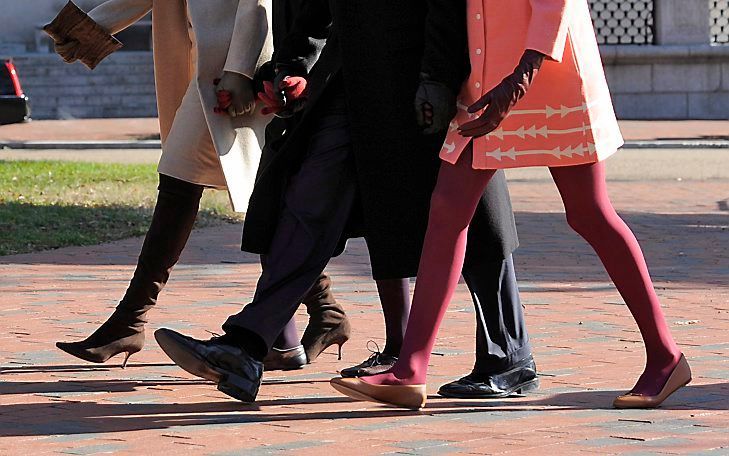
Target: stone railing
(682, 74)
(719, 21)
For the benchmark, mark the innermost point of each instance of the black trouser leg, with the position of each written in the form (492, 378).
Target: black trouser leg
(318, 202)
(501, 336)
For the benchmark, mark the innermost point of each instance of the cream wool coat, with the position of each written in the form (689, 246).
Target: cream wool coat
(194, 42)
(567, 116)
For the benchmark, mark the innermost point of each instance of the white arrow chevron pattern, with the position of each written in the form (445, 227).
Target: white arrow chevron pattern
(535, 131)
(558, 152)
(449, 148)
(562, 111)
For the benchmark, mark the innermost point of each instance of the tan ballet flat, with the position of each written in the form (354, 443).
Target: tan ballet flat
(680, 376)
(407, 396)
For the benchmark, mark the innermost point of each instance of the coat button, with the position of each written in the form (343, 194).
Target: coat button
(478, 51)
(478, 17)
(478, 85)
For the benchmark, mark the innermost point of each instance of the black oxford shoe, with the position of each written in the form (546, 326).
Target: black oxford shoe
(237, 373)
(517, 379)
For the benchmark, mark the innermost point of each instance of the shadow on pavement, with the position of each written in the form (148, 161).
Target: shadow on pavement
(76, 368)
(90, 386)
(685, 247)
(72, 417)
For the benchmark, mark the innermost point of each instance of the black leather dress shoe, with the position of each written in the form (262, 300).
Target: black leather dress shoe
(285, 359)
(518, 379)
(375, 364)
(237, 373)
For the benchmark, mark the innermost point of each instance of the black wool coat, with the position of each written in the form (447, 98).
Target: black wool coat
(380, 47)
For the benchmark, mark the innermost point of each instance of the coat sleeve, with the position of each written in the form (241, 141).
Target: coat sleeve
(445, 57)
(116, 15)
(251, 43)
(301, 47)
(548, 27)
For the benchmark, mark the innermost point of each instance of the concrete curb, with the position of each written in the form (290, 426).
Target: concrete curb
(679, 144)
(156, 144)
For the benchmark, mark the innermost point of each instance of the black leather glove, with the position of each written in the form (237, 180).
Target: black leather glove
(502, 98)
(435, 105)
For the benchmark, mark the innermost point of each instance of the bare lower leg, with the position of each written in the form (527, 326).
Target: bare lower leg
(454, 201)
(395, 301)
(591, 214)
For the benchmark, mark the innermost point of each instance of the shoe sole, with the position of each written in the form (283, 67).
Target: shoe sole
(282, 368)
(518, 390)
(228, 382)
(189, 362)
(360, 396)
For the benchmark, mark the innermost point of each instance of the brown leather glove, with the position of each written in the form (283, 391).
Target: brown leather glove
(94, 43)
(68, 50)
(502, 98)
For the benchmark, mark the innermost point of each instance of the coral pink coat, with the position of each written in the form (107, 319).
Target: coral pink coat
(567, 117)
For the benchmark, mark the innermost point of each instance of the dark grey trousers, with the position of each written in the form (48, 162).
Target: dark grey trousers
(318, 201)
(501, 334)
(317, 204)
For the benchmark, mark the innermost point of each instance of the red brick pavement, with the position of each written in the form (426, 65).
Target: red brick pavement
(586, 346)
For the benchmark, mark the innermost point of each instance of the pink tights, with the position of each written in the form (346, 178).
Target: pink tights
(589, 212)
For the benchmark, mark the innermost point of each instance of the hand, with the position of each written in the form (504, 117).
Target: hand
(235, 94)
(285, 96)
(500, 100)
(67, 50)
(435, 106)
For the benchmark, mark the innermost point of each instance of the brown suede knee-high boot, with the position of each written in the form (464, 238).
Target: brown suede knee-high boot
(328, 324)
(172, 222)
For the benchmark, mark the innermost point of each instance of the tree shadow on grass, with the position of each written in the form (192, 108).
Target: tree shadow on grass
(77, 417)
(32, 234)
(29, 227)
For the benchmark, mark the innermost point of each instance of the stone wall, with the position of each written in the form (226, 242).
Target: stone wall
(122, 86)
(668, 82)
(20, 20)
(680, 76)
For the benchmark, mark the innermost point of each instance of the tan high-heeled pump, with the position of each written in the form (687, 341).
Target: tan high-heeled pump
(408, 396)
(680, 377)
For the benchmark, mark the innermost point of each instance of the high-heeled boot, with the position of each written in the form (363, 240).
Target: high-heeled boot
(172, 222)
(328, 324)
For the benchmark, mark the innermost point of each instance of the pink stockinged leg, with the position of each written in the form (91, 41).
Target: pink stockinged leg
(591, 214)
(453, 204)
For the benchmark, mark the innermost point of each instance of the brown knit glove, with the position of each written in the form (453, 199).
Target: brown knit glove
(74, 26)
(502, 98)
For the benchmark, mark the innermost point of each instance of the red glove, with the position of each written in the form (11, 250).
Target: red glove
(272, 99)
(225, 99)
(287, 99)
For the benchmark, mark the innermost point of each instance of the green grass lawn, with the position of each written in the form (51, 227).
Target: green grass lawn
(50, 204)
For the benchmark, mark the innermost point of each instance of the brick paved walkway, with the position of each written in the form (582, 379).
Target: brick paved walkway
(586, 347)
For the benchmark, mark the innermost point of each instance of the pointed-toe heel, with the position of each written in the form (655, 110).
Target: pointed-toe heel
(316, 344)
(94, 351)
(680, 377)
(285, 359)
(407, 396)
(328, 323)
